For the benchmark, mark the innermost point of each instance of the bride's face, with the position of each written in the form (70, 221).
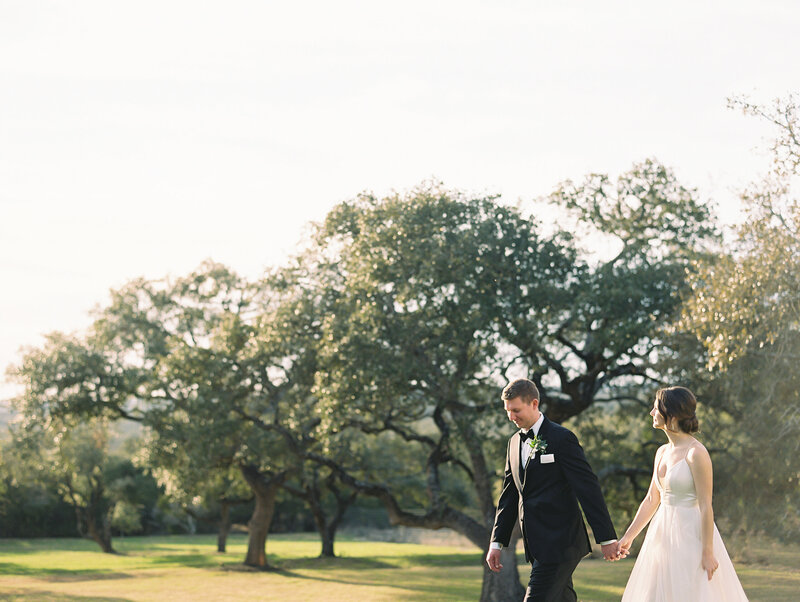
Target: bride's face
(658, 419)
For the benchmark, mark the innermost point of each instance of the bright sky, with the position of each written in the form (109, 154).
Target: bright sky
(139, 138)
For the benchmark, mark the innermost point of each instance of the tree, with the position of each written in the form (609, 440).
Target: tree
(201, 368)
(744, 308)
(204, 493)
(292, 328)
(224, 371)
(440, 294)
(71, 370)
(99, 486)
(219, 371)
(411, 349)
(602, 329)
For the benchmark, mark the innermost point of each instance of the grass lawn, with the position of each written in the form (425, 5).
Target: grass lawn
(183, 568)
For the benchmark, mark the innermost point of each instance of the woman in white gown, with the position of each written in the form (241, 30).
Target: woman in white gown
(682, 558)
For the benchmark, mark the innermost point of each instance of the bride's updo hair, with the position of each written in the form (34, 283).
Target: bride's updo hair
(678, 403)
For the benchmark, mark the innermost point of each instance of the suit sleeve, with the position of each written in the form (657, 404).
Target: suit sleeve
(586, 487)
(507, 506)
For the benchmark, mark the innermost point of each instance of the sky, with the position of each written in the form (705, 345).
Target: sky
(141, 138)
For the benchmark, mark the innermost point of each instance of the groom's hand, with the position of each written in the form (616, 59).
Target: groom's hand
(611, 551)
(493, 560)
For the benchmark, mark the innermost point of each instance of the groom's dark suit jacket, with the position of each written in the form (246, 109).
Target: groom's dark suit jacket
(544, 497)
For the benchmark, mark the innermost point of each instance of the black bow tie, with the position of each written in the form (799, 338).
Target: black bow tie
(525, 436)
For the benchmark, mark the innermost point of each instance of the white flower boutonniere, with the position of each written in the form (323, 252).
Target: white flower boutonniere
(537, 444)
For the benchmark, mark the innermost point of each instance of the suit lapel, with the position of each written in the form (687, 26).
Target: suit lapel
(514, 449)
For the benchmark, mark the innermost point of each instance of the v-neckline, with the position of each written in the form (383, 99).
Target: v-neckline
(662, 479)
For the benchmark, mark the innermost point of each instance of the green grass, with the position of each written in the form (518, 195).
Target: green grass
(183, 568)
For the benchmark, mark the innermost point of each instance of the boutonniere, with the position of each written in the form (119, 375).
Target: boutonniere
(537, 444)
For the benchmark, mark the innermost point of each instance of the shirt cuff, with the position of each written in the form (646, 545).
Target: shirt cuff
(605, 543)
(495, 545)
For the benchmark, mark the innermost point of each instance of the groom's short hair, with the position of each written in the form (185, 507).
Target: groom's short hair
(522, 388)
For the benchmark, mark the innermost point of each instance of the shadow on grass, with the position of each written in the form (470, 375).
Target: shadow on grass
(325, 570)
(37, 546)
(73, 577)
(188, 560)
(327, 563)
(442, 560)
(379, 562)
(454, 591)
(285, 567)
(30, 594)
(127, 546)
(10, 568)
(139, 549)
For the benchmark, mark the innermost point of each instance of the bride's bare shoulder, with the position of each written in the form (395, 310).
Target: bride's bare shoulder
(698, 453)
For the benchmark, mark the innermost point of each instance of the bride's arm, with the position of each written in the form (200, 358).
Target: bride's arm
(646, 509)
(700, 463)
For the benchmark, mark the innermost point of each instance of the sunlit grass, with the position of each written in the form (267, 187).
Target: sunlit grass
(183, 568)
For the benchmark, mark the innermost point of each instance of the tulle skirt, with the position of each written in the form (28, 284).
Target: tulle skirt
(668, 568)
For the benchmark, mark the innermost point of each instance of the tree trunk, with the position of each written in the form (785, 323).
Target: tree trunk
(92, 523)
(327, 528)
(265, 488)
(328, 536)
(503, 586)
(99, 530)
(224, 526)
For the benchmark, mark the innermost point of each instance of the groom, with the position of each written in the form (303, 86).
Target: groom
(546, 476)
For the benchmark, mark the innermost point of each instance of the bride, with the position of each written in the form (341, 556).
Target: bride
(682, 557)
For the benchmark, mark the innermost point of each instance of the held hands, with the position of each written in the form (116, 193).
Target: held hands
(493, 560)
(625, 545)
(614, 551)
(611, 552)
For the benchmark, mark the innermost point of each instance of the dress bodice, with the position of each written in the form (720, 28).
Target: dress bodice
(677, 488)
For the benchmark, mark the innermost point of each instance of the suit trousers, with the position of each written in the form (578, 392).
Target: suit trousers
(552, 582)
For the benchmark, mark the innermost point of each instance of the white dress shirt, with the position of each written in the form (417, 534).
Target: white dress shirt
(525, 449)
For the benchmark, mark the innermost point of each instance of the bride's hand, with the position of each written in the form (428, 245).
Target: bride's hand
(625, 546)
(710, 564)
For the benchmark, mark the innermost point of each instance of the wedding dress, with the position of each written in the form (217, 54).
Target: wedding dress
(668, 568)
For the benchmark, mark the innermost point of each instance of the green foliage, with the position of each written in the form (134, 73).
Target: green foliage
(749, 298)
(73, 464)
(411, 351)
(651, 216)
(30, 504)
(743, 309)
(126, 518)
(603, 329)
(419, 298)
(69, 374)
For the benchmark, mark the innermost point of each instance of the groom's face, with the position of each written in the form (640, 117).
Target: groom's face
(524, 415)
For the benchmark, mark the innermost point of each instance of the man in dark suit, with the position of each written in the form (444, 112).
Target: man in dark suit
(546, 476)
